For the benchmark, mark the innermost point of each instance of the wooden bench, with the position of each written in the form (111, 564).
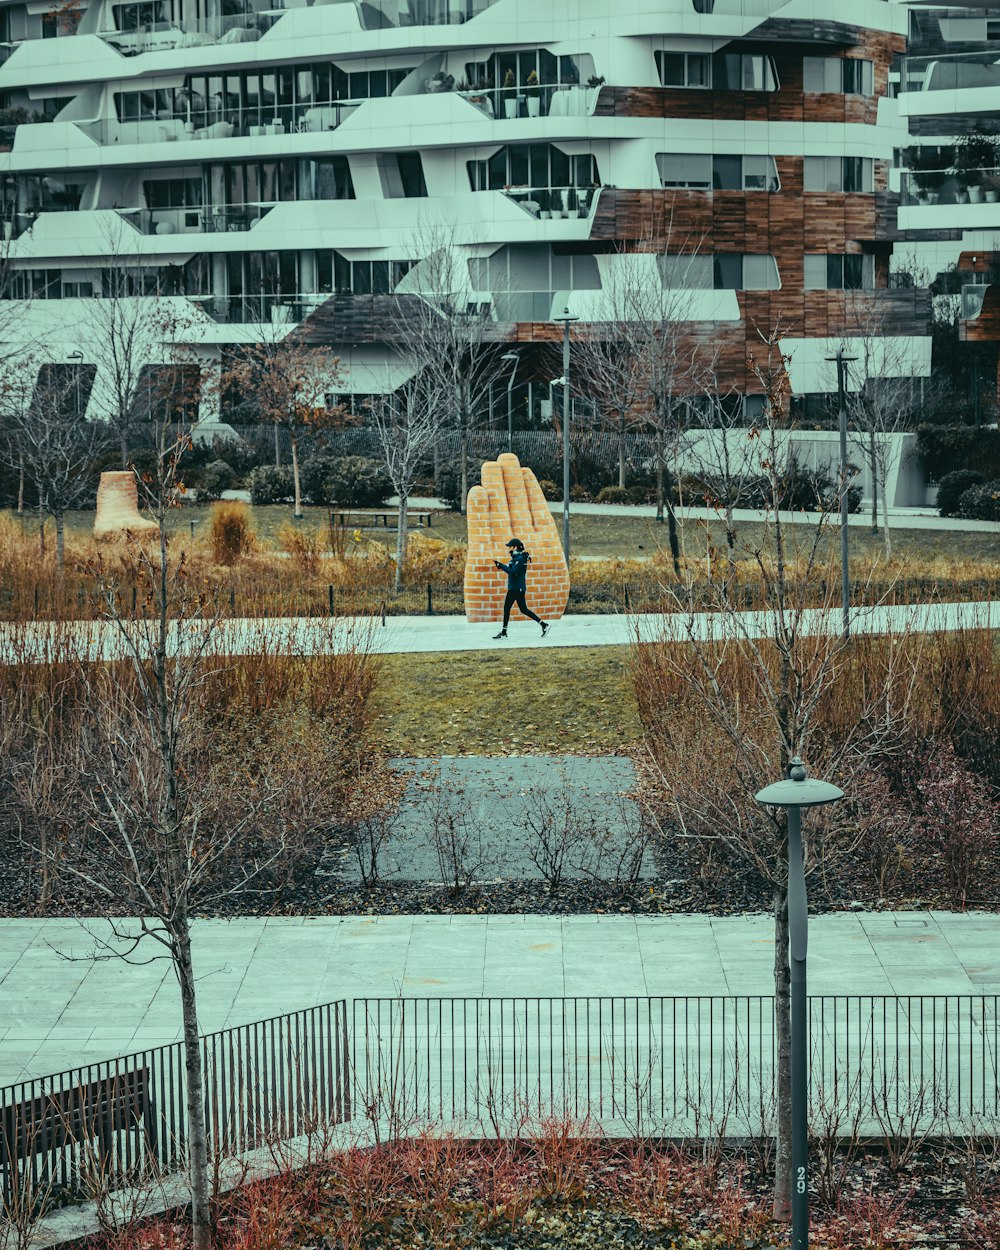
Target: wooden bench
(371, 520)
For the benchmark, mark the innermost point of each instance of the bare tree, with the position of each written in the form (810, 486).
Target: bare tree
(880, 403)
(289, 384)
(409, 422)
(757, 692)
(642, 360)
(134, 339)
(46, 437)
(164, 829)
(448, 334)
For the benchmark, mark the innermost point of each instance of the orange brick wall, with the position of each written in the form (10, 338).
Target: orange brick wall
(510, 504)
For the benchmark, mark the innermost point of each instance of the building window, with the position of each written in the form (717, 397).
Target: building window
(550, 70)
(402, 175)
(834, 75)
(829, 272)
(723, 71)
(838, 173)
(358, 277)
(173, 193)
(532, 165)
(703, 172)
(728, 271)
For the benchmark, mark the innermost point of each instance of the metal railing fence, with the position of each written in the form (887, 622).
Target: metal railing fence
(667, 1065)
(678, 1062)
(126, 1118)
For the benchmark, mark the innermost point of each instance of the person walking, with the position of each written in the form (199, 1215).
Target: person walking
(516, 571)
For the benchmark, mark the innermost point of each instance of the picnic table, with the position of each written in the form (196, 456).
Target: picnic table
(371, 519)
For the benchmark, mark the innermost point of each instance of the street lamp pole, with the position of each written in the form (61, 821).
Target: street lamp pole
(793, 794)
(842, 362)
(567, 319)
(77, 358)
(514, 358)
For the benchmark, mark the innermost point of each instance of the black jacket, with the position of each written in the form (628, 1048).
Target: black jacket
(516, 570)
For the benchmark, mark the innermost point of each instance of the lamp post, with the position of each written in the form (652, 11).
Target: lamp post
(77, 358)
(514, 358)
(842, 362)
(567, 320)
(794, 793)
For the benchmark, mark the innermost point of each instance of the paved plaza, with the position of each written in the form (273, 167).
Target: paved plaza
(56, 1012)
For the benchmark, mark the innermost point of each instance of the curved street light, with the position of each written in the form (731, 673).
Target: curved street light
(796, 791)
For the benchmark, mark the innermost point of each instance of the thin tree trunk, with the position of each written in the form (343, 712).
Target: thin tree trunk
(404, 503)
(660, 494)
(60, 543)
(295, 478)
(782, 1208)
(621, 456)
(886, 539)
(873, 460)
(123, 445)
(20, 486)
(41, 531)
(197, 1138)
(277, 447)
(463, 453)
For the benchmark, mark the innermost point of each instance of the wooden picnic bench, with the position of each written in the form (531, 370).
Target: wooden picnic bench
(371, 519)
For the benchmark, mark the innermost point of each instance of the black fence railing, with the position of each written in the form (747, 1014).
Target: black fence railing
(673, 1066)
(125, 1119)
(681, 1064)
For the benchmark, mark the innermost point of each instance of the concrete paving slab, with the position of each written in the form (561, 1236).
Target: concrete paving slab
(53, 1018)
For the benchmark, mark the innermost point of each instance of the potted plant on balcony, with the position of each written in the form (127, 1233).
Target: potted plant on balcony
(974, 155)
(439, 82)
(532, 94)
(929, 183)
(991, 188)
(510, 99)
(542, 196)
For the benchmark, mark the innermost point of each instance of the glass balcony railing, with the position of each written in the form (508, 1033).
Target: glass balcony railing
(973, 295)
(204, 219)
(950, 186)
(550, 202)
(194, 32)
(387, 14)
(738, 8)
(222, 123)
(954, 72)
(556, 100)
(269, 310)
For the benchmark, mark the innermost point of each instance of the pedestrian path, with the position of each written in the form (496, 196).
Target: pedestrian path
(57, 1012)
(42, 641)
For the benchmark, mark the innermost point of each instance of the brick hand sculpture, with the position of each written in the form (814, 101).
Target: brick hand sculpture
(118, 507)
(510, 504)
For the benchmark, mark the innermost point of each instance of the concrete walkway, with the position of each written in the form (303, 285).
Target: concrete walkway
(57, 1012)
(43, 642)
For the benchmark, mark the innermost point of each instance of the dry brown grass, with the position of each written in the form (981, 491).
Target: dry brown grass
(305, 566)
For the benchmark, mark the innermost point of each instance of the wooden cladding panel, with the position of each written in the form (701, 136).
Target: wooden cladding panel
(986, 327)
(788, 104)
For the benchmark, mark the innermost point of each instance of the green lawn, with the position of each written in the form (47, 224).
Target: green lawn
(619, 536)
(509, 702)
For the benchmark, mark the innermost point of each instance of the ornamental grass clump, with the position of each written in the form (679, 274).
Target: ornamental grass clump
(231, 533)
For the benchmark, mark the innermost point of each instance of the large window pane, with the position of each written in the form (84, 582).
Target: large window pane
(684, 169)
(672, 69)
(685, 272)
(814, 273)
(727, 173)
(760, 273)
(728, 272)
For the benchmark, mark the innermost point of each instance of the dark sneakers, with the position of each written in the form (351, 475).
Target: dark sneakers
(545, 628)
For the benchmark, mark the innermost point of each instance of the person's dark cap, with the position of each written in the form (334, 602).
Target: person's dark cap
(513, 542)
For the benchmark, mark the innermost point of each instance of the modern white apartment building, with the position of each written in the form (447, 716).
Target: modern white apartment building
(949, 98)
(270, 163)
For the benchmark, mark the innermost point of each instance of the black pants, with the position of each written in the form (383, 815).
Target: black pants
(517, 596)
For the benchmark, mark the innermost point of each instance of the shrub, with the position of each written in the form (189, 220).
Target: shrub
(980, 503)
(350, 481)
(943, 449)
(449, 489)
(953, 486)
(303, 546)
(232, 533)
(958, 817)
(215, 478)
(549, 489)
(641, 493)
(578, 493)
(613, 494)
(269, 484)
